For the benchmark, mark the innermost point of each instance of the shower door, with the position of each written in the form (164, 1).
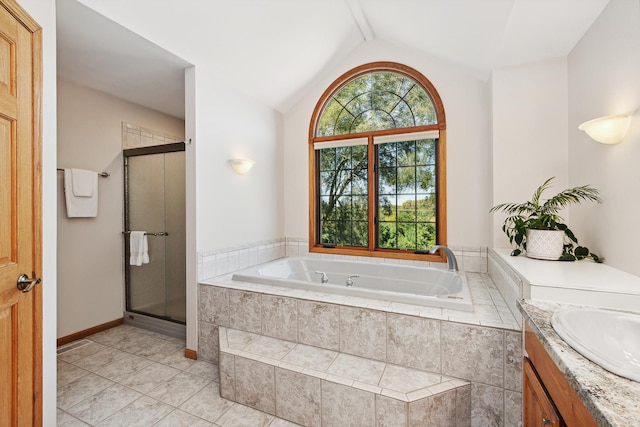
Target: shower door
(155, 203)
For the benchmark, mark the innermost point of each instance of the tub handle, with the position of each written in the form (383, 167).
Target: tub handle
(350, 281)
(324, 278)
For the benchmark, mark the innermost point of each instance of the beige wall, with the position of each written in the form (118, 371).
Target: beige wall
(90, 250)
(604, 78)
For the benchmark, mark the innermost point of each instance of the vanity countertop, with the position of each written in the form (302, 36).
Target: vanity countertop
(612, 400)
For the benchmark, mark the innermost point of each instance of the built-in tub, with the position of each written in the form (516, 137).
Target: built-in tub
(412, 285)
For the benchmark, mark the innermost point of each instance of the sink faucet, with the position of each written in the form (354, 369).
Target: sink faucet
(451, 258)
(324, 279)
(350, 280)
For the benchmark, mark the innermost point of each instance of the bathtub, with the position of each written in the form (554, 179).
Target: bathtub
(427, 286)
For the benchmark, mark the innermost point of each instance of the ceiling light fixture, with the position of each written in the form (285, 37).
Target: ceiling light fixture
(608, 129)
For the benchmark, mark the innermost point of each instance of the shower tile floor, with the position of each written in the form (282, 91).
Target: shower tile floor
(127, 376)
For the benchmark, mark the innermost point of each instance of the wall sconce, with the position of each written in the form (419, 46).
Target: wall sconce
(241, 166)
(608, 129)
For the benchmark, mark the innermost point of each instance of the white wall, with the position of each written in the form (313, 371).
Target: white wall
(604, 78)
(529, 108)
(466, 103)
(90, 250)
(234, 209)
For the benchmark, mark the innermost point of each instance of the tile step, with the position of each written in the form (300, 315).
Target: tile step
(253, 367)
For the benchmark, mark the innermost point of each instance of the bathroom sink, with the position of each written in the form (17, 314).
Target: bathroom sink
(608, 338)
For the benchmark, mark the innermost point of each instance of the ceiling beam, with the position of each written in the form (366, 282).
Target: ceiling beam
(361, 19)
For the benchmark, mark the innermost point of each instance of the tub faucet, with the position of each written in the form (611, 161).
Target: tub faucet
(350, 281)
(451, 258)
(324, 279)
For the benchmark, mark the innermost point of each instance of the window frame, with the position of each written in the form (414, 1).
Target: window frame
(441, 200)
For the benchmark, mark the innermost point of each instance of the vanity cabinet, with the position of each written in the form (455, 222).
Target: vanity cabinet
(539, 409)
(549, 400)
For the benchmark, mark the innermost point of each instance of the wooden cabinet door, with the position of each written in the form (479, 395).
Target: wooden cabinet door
(20, 218)
(539, 410)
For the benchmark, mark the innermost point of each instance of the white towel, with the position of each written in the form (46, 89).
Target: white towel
(138, 248)
(81, 193)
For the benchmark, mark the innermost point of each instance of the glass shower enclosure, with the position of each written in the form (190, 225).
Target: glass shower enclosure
(155, 203)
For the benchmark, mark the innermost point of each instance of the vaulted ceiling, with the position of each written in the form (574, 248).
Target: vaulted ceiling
(289, 42)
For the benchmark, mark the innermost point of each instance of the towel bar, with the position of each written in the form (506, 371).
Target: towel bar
(160, 233)
(102, 174)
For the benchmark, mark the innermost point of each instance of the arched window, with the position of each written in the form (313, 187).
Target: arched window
(377, 164)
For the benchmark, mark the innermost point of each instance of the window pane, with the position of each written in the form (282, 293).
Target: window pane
(387, 155)
(360, 208)
(344, 195)
(328, 232)
(407, 180)
(359, 156)
(360, 233)
(426, 235)
(327, 208)
(376, 101)
(426, 152)
(406, 153)
(411, 207)
(387, 181)
(426, 209)
(387, 238)
(406, 209)
(328, 159)
(406, 235)
(426, 179)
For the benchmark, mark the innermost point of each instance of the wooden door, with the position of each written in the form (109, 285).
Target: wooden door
(539, 410)
(20, 218)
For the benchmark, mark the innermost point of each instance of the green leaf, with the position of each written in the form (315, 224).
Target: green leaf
(519, 237)
(570, 235)
(596, 258)
(567, 257)
(581, 252)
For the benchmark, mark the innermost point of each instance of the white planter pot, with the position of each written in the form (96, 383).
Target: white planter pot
(545, 244)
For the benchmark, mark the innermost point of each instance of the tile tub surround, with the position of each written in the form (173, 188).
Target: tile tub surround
(612, 400)
(477, 347)
(218, 262)
(313, 386)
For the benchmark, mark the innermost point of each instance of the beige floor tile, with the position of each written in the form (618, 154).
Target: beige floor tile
(142, 412)
(207, 403)
(103, 404)
(65, 420)
(81, 352)
(178, 388)
(78, 390)
(180, 418)
(150, 377)
(243, 416)
(205, 370)
(100, 359)
(66, 372)
(177, 360)
(124, 367)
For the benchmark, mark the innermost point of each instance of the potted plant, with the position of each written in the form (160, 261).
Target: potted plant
(536, 227)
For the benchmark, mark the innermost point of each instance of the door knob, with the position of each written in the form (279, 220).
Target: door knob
(25, 284)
